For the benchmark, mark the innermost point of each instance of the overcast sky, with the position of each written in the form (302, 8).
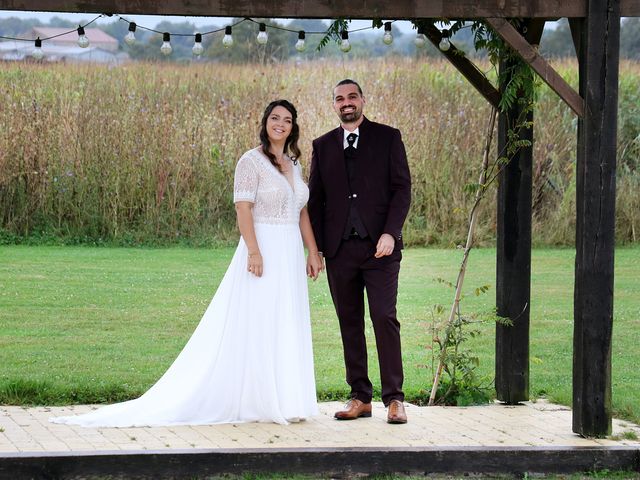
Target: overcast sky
(150, 21)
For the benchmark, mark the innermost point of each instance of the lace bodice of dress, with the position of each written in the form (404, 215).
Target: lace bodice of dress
(274, 200)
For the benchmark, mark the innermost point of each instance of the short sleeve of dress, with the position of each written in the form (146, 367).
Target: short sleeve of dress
(245, 182)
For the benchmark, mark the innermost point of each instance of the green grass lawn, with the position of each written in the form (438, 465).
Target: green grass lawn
(81, 324)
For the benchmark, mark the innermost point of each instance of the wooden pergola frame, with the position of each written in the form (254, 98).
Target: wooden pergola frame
(595, 27)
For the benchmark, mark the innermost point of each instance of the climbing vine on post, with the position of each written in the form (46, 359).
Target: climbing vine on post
(517, 88)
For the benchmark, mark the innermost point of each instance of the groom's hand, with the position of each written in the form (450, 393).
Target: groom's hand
(385, 245)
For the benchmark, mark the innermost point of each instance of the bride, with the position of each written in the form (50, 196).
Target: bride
(250, 358)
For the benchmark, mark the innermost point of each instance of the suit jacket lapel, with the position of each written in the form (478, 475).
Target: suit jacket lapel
(338, 137)
(364, 135)
(365, 149)
(337, 155)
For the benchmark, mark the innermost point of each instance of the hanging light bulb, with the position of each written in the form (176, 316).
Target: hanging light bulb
(197, 46)
(83, 41)
(387, 37)
(444, 44)
(37, 52)
(421, 39)
(166, 44)
(130, 38)
(227, 40)
(263, 36)
(300, 45)
(345, 46)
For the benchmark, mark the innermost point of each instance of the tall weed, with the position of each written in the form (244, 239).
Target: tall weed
(145, 153)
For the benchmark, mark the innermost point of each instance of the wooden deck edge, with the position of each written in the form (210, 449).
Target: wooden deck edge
(331, 461)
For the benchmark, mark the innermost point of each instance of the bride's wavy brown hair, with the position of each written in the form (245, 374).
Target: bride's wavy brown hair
(291, 143)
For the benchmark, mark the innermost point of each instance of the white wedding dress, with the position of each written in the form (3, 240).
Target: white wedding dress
(250, 359)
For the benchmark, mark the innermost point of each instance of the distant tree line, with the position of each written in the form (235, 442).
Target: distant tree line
(556, 42)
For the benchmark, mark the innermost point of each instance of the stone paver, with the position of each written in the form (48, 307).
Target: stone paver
(531, 424)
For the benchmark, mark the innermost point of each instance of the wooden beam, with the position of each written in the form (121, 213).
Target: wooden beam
(576, 25)
(629, 8)
(465, 66)
(595, 219)
(326, 462)
(397, 9)
(534, 30)
(538, 63)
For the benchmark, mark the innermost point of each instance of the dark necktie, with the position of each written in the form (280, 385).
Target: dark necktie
(350, 155)
(354, 225)
(351, 139)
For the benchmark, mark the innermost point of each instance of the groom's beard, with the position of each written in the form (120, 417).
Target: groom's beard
(350, 117)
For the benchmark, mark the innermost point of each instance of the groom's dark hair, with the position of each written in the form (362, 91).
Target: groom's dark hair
(348, 81)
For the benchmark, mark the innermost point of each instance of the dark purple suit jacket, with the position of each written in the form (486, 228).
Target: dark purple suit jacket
(383, 185)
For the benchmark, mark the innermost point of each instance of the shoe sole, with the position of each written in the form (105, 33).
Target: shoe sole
(397, 422)
(362, 415)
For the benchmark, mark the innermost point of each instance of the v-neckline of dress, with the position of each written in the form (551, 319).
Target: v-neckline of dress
(290, 184)
(286, 178)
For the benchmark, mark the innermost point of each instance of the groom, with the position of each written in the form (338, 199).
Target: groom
(360, 190)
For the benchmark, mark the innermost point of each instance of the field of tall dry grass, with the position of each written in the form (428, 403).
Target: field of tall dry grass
(145, 154)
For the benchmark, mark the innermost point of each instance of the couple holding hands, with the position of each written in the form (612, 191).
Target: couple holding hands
(250, 358)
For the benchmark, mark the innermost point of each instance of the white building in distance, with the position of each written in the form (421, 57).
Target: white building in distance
(58, 44)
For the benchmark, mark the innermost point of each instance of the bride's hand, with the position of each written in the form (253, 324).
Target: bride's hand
(315, 265)
(254, 264)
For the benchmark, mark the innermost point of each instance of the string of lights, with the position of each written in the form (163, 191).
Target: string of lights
(262, 36)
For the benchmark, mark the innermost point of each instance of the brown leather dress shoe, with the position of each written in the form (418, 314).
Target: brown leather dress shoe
(354, 409)
(396, 412)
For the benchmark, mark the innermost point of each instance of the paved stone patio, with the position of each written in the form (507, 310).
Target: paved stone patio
(538, 424)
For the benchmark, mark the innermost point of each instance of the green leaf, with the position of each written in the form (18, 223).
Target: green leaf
(471, 188)
(334, 32)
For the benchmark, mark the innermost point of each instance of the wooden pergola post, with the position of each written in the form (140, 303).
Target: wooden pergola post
(513, 260)
(513, 255)
(598, 38)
